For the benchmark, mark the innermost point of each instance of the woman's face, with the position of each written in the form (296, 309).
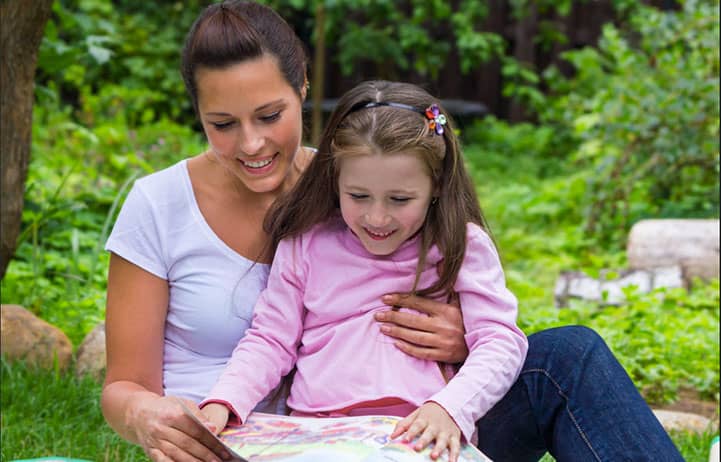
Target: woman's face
(252, 118)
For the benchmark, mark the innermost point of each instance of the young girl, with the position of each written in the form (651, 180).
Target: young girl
(392, 206)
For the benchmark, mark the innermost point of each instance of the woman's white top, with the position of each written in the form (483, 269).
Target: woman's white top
(213, 289)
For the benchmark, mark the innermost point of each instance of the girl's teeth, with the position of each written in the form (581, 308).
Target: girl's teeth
(257, 164)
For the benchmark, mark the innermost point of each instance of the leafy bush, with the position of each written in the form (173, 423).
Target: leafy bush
(645, 106)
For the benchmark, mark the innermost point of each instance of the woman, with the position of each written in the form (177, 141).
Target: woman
(189, 259)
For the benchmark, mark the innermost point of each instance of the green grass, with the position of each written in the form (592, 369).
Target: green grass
(45, 413)
(49, 414)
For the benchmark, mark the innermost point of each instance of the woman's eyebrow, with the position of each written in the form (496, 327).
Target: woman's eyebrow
(258, 109)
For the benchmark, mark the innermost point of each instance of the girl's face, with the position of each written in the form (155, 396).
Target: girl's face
(384, 198)
(252, 118)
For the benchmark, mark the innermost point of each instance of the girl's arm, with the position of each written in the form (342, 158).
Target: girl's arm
(132, 399)
(436, 337)
(269, 349)
(497, 346)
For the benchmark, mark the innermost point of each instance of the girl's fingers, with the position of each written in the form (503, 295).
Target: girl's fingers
(428, 435)
(440, 445)
(416, 428)
(454, 449)
(402, 426)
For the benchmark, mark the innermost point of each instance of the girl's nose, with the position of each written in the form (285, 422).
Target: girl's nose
(377, 217)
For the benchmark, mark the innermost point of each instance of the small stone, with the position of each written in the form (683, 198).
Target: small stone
(91, 354)
(26, 337)
(682, 421)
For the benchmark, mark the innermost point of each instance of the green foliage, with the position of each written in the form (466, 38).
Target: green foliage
(49, 414)
(128, 48)
(77, 178)
(667, 339)
(645, 106)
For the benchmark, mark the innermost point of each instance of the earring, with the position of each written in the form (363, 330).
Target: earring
(434, 200)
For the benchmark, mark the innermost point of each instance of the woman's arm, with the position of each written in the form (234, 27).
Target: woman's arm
(437, 337)
(132, 399)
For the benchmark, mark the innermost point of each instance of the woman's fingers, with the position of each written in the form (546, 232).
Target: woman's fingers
(438, 336)
(424, 305)
(176, 433)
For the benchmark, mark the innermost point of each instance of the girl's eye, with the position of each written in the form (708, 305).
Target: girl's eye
(221, 125)
(357, 197)
(400, 200)
(271, 117)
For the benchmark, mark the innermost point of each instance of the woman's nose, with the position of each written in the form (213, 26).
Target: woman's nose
(250, 141)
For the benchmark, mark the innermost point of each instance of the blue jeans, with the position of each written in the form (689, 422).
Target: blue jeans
(574, 400)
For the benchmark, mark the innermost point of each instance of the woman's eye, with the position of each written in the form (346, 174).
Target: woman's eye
(271, 117)
(221, 125)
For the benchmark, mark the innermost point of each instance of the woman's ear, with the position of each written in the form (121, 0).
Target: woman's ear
(304, 89)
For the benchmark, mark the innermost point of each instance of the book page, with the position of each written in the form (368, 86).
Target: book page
(268, 437)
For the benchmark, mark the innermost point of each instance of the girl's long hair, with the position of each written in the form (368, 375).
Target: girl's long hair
(387, 130)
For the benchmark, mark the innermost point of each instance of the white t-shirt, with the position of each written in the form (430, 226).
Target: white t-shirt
(213, 289)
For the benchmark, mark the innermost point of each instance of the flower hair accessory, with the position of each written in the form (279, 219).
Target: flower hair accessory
(436, 119)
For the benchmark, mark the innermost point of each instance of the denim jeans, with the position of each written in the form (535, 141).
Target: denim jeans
(574, 400)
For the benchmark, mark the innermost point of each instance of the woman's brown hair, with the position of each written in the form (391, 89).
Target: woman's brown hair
(231, 32)
(355, 129)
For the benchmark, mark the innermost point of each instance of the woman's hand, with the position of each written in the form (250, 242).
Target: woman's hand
(217, 415)
(431, 422)
(168, 434)
(436, 337)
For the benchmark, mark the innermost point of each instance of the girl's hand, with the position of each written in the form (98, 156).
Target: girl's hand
(217, 415)
(436, 337)
(432, 423)
(167, 433)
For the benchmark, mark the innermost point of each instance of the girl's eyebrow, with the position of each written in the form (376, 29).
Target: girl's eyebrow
(258, 109)
(408, 192)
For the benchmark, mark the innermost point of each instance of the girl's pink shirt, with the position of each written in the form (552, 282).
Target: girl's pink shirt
(317, 314)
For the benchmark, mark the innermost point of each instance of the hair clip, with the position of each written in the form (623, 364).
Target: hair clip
(436, 119)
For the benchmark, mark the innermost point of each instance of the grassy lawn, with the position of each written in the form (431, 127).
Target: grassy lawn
(49, 414)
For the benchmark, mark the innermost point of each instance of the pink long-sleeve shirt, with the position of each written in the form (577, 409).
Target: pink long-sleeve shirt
(317, 314)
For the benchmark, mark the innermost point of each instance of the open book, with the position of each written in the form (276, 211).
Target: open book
(268, 437)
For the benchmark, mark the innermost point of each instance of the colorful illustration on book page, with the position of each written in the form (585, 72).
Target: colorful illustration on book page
(267, 437)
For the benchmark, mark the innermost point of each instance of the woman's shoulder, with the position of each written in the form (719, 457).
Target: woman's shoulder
(166, 179)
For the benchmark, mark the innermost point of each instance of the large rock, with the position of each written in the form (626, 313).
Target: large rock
(91, 354)
(27, 337)
(691, 244)
(609, 291)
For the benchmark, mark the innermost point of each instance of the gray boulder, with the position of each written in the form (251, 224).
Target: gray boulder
(692, 244)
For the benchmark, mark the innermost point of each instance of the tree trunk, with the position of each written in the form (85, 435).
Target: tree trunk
(21, 29)
(524, 50)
